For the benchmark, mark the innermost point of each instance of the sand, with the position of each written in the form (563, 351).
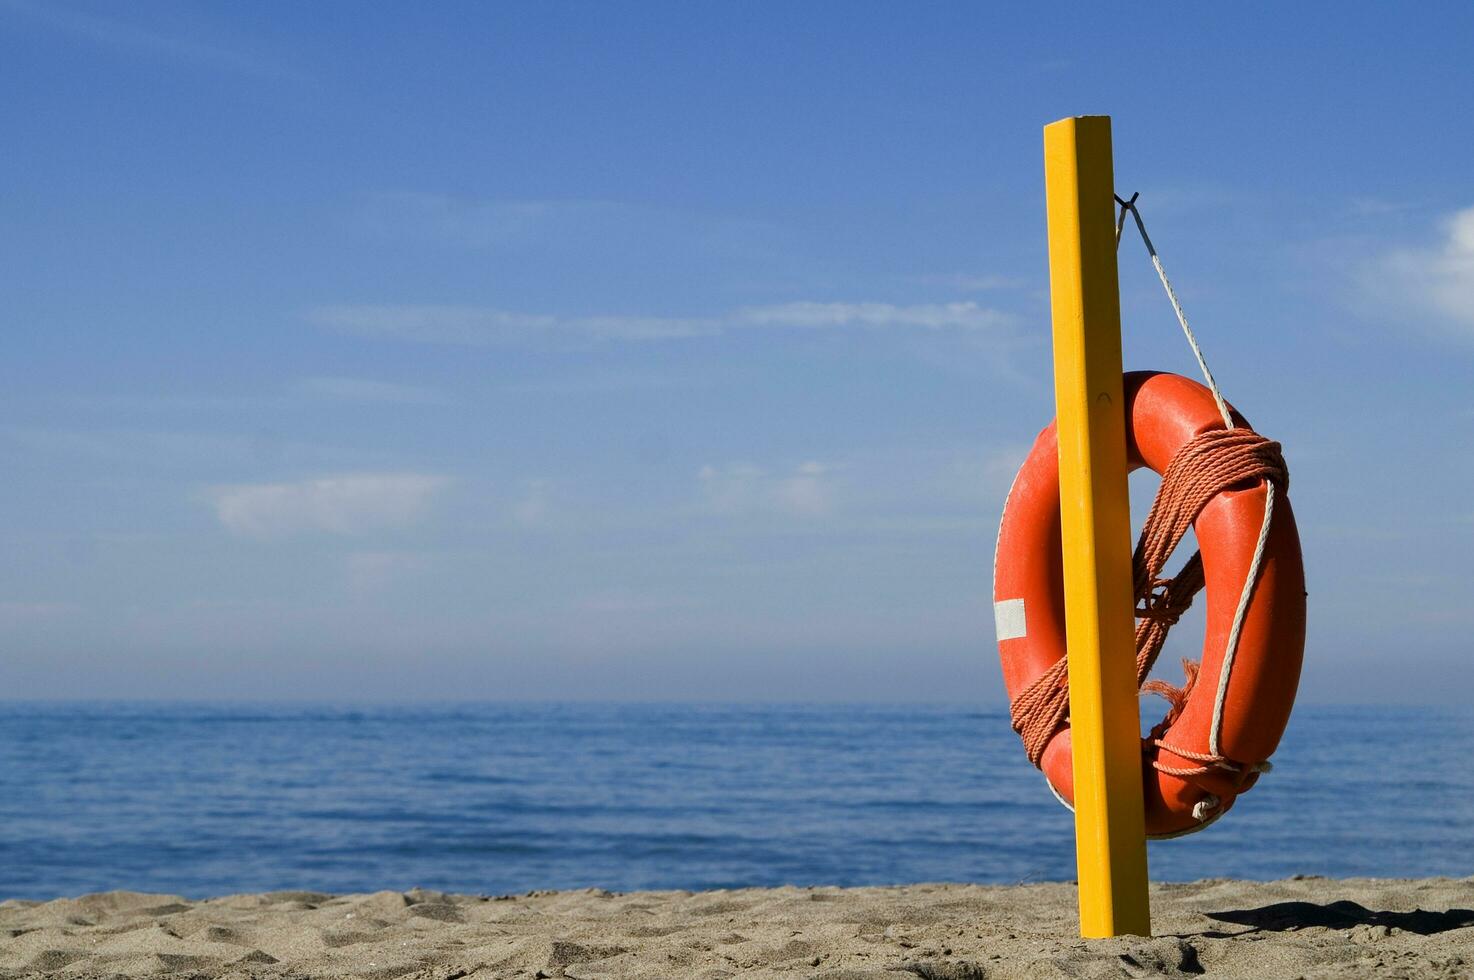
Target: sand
(1312, 927)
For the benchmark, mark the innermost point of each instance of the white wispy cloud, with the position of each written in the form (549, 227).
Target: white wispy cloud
(975, 478)
(367, 390)
(807, 490)
(622, 602)
(1436, 279)
(971, 282)
(175, 449)
(116, 33)
(476, 222)
(926, 316)
(535, 506)
(482, 326)
(19, 613)
(1370, 206)
(376, 571)
(473, 326)
(564, 225)
(347, 504)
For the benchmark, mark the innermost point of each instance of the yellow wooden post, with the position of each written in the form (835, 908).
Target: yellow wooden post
(1110, 834)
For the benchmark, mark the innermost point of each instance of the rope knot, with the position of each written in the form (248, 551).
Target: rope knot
(1162, 605)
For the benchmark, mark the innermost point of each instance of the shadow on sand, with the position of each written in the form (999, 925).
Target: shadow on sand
(1288, 916)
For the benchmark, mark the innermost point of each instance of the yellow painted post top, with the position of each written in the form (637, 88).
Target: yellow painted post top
(1110, 834)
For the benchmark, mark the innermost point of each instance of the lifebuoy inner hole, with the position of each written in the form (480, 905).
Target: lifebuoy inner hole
(1186, 639)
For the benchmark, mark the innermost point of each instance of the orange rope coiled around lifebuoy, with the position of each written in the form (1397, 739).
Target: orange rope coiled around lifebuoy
(1210, 463)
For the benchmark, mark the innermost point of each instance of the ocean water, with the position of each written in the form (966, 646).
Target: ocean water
(502, 798)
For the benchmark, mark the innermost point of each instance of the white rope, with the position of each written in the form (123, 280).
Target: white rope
(1250, 581)
(1209, 816)
(1192, 340)
(1203, 809)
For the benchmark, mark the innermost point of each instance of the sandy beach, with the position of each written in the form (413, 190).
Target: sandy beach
(1311, 927)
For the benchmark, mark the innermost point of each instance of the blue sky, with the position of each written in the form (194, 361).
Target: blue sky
(685, 350)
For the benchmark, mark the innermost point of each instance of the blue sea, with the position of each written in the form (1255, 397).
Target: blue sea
(503, 798)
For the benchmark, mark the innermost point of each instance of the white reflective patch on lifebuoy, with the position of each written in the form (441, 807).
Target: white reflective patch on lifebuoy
(1008, 619)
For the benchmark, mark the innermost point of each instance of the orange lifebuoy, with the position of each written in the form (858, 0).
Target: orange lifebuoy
(1232, 720)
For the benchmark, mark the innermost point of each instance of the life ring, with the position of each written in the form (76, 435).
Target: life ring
(1218, 739)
